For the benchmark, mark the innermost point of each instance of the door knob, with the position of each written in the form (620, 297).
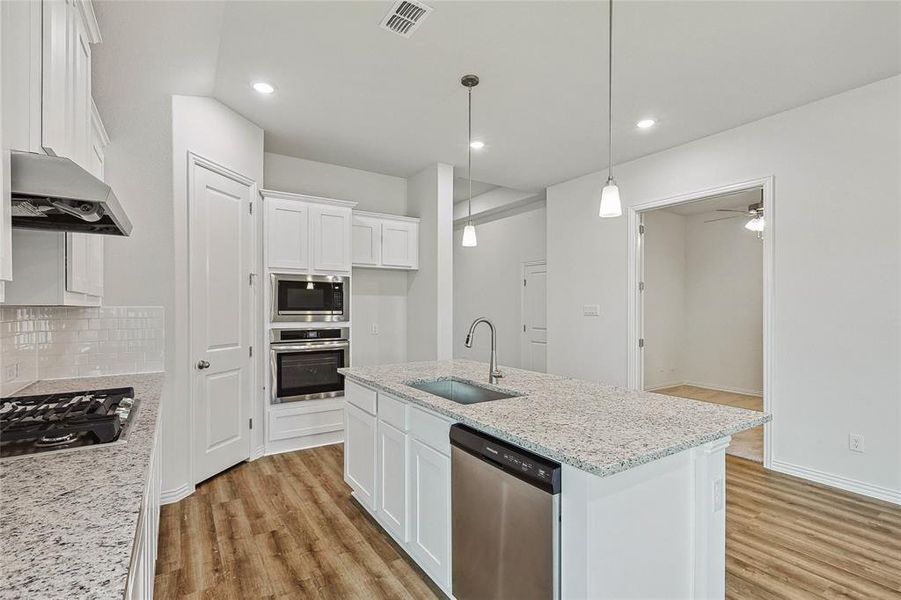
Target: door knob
(203, 364)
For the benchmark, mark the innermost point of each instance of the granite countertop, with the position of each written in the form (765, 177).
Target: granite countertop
(68, 519)
(601, 429)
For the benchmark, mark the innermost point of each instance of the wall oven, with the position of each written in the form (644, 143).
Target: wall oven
(310, 298)
(305, 363)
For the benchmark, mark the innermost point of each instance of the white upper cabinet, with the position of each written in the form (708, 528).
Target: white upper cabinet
(288, 234)
(307, 234)
(331, 232)
(385, 241)
(47, 107)
(367, 241)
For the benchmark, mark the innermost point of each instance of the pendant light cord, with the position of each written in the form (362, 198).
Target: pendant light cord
(469, 157)
(610, 95)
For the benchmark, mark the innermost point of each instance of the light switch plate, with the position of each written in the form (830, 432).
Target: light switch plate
(591, 310)
(374, 329)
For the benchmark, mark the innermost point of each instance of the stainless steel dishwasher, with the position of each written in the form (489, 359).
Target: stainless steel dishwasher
(506, 519)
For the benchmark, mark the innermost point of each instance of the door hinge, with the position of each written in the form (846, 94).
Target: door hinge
(641, 286)
(524, 282)
(641, 230)
(251, 207)
(523, 328)
(251, 351)
(641, 342)
(250, 278)
(250, 423)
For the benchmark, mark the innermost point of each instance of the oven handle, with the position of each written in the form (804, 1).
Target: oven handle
(282, 348)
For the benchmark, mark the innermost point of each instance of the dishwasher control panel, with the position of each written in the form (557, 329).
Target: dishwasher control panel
(529, 467)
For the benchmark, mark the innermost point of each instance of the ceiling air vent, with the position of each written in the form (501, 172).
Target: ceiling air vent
(405, 17)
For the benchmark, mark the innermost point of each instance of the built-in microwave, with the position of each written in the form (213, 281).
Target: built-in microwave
(310, 298)
(305, 363)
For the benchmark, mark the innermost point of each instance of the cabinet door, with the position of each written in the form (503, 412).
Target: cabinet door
(400, 244)
(392, 460)
(288, 234)
(331, 233)
(367, 241)
(84, 263)
(359, 454)
(55, 69)
(430, 510)
(80, 101)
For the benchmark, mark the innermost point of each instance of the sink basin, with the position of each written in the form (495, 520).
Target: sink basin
(461, 392)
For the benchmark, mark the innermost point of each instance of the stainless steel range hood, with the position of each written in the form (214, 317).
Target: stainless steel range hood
(52, 192)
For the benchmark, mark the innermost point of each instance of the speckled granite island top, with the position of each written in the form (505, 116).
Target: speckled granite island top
(68, 519)
(601, 429)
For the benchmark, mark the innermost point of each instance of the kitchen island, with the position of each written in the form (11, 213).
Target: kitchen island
(643, 477)
(82, 523)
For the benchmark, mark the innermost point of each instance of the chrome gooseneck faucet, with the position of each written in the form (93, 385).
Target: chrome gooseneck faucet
(493, 372)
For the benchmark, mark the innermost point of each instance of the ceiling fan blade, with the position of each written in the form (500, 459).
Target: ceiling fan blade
(723, 219)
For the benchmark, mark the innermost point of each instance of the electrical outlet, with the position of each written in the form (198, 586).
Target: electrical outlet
(11, 372)
(855, 442)
(719, 495)
(374, 329)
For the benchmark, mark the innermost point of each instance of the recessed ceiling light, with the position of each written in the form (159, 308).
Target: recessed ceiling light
(477, 145)
(645, 123)
(263, 87)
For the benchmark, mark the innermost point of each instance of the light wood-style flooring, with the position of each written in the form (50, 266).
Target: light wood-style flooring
(746, 444)
(285, 527)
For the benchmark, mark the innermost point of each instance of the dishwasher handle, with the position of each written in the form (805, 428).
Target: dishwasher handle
(531, 468)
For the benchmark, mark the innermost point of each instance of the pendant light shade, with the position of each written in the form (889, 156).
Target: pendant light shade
(610, 202)
(469, 236)
(469, 232)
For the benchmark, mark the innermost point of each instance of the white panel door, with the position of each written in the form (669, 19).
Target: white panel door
(400, 244)
(430, 510)
(331, 233)
(367, 241)
(392, 460)
(359, 454)
(221, 259)
(534, 317)
(288, 234)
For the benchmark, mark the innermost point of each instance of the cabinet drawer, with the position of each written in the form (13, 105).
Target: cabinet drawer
(393, 411)
(430, 429)
(361, 397)
(303, 421)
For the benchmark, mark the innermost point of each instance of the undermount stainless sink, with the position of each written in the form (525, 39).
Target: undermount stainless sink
(461, 392)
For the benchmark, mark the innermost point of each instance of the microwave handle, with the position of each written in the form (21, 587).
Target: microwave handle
(282, 348)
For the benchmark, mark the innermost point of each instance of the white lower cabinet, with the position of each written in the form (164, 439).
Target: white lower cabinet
(360, 454)
(392, 459)
(430, 519)
(142, 568)
(403, 452)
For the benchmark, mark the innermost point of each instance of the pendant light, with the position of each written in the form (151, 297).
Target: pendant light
(469, 232)
(610, 203)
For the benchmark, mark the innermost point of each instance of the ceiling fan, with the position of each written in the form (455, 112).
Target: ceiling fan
(754, 214)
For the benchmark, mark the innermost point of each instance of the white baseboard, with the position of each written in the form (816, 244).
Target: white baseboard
(179, 493)
(708, 386)
(838, 481)
(258, 452)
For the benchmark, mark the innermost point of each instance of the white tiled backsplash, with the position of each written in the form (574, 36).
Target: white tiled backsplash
(38, 342)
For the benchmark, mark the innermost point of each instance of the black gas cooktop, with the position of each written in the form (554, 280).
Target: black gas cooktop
(46, 422)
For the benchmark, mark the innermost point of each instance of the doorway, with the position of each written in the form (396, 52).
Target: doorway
(220, 261)
(701, 309)
(534, 316)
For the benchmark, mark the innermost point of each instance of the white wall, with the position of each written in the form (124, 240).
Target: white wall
(703, 303)
(378, 297)
(837, 309)
(664, 299)
(371, 191)
(430, 196)
(723, 305)
(488, 282)
(208, 129)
